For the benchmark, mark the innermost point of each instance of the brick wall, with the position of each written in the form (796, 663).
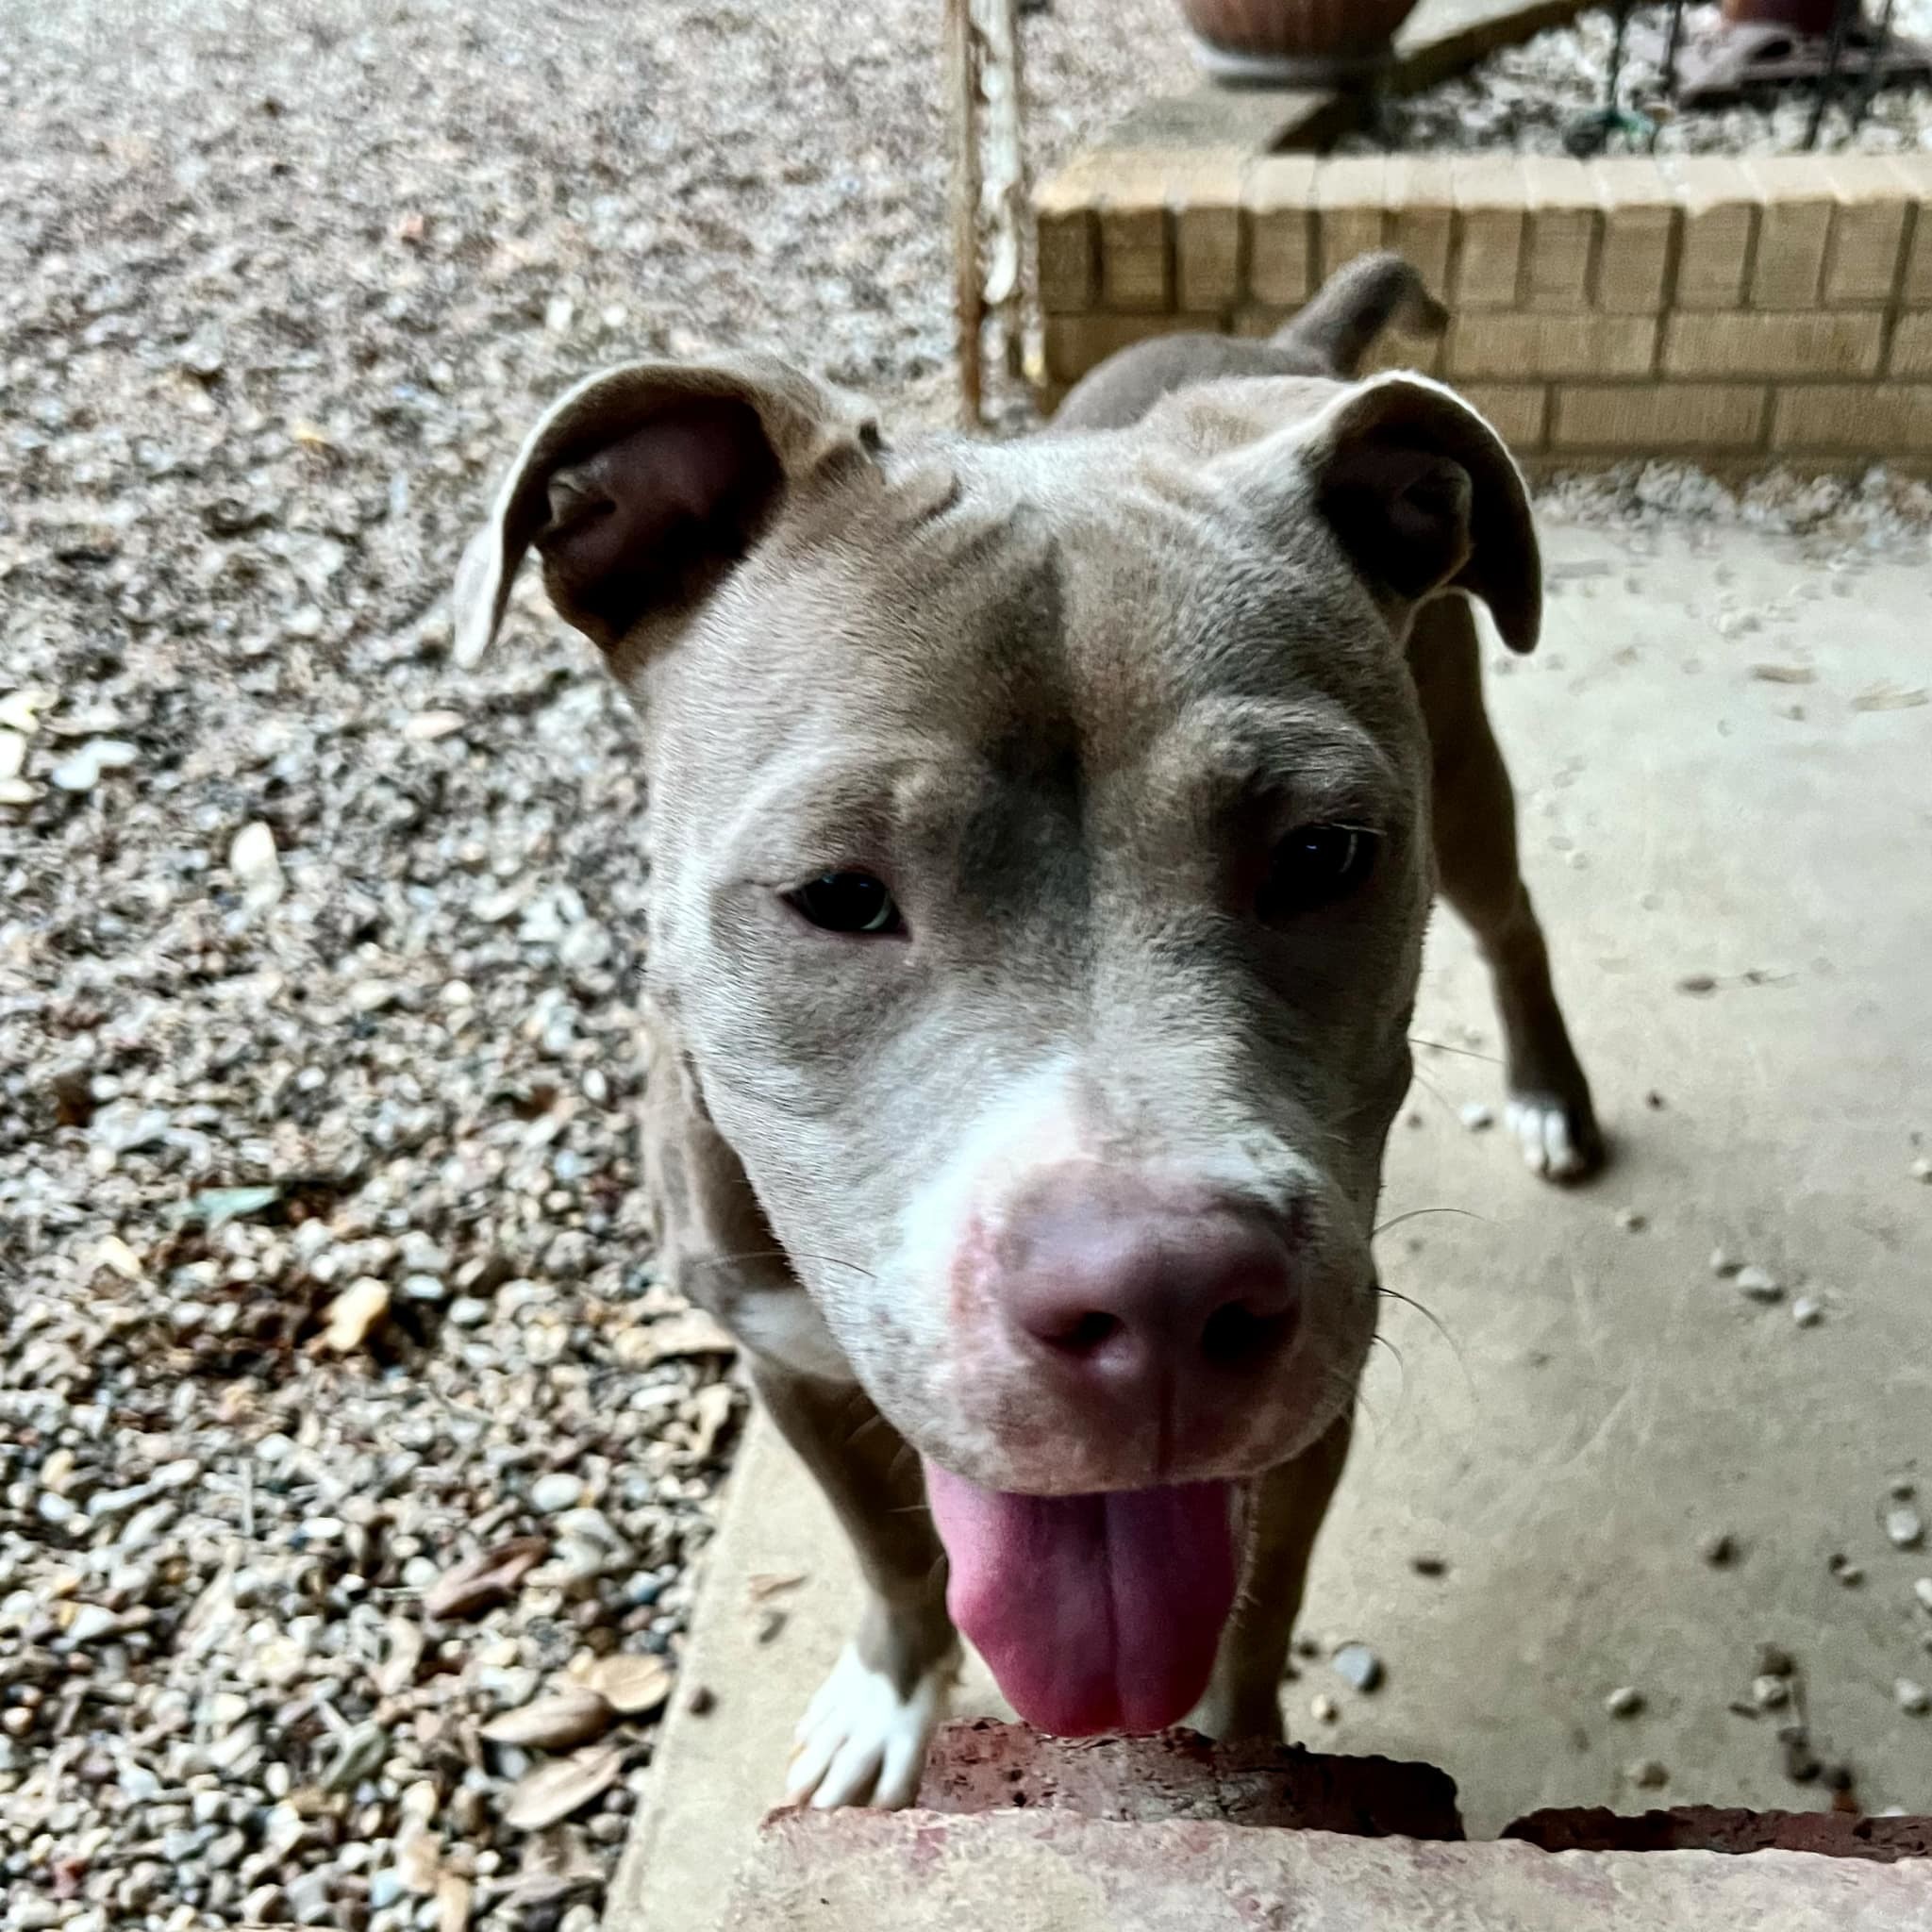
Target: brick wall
(1739, 312)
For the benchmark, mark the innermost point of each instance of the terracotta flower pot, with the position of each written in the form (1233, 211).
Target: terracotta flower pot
(1304, 42)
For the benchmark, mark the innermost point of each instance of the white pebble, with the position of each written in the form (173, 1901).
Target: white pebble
(1905, 1527)
(1723, 1263)
(1759, 1285)
(80, 771)
(1923, 1591)
(1913, 1698)
(258, 868)
(1624, 1701)
(1770, 1693)
(1475, 1116)
(556, 1491)
(1324, 1708)
(1807, 1311)
(1356, 1665)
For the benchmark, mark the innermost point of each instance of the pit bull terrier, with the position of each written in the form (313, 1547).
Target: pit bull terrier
(1043, 836)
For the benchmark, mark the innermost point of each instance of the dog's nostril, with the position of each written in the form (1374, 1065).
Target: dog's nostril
(1088, 1333)
(1236, 1337)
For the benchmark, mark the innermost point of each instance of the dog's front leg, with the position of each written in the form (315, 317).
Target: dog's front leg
(863, 1739)
(1244, 1697)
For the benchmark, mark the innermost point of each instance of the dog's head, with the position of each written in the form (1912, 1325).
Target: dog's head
(1040, 861)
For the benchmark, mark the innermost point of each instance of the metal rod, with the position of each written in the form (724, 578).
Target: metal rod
(962, 99)
(1875, 68)
(1674, 41)
(1610, 79)
(1834, 57)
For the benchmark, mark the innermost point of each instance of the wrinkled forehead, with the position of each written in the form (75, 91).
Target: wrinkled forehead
(1069, 598)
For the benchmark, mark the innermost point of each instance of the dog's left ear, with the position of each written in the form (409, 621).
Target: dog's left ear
(1424, 496)
(644, 487)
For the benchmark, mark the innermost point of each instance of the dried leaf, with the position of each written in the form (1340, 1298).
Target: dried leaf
(356, 1314)
(485, 1578)
(418, 1858)
(714, 1404)
(691, 1333)
(113, 1253)
(1890, 698)
(572, 1716)
(397, 1671)
(767, 1584)
(453, 1900)
(213, 1205)
(553, 1791)
(1784, 673)
(635, 1686)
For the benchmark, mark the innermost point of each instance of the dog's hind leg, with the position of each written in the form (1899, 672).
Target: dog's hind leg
(1475, 811)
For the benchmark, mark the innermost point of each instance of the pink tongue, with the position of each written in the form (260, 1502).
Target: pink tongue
(1096, 1613)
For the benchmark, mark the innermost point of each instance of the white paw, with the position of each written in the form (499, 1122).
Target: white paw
(861, 1742)
(1549, 1146)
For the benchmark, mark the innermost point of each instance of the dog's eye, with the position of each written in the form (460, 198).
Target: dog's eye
(848, 902)
(1314, 866)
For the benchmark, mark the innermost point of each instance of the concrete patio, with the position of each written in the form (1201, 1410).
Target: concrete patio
(1725, 758)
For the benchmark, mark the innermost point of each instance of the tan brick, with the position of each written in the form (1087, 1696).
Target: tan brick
(1868, 230)
(1136, 251)
(1068, 240)
(1911, 346)
(1205, 195)
(1518, 411)
(1277, 197)
(1720, 224)
(1074, 343)
(1873, 419)
(1640, 417)
(1490, 192)
(1794, 231)
(1351, 209)
(1560, 249)
(1916, 290)
(1527, 346)
(1916, 172)
(1633, 271)
(1421, 217)
(1395, 348)
(1820, 343)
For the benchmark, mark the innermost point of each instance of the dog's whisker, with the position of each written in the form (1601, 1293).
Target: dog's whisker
(1416, 1213)
(1468, 1053)
(1435, 1092)
(742, 1256)
(1435, 1322)
(1427, 1313)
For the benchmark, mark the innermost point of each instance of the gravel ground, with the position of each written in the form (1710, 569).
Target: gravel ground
(351, 1460)
(1526, 96)
(326, 1269)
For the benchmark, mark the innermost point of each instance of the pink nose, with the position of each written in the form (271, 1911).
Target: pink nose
(1132, 1299)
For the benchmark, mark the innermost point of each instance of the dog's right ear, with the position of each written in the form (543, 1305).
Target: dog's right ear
(645, 487)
